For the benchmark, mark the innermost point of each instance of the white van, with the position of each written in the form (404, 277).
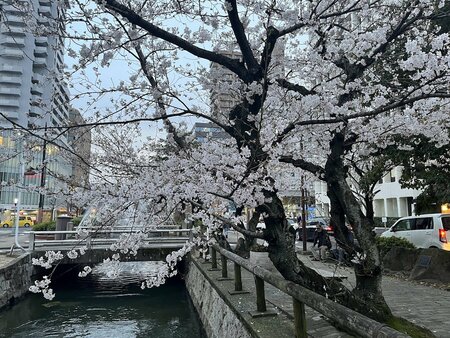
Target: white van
(424, 231)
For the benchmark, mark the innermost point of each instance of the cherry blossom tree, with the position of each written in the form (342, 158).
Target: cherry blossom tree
(314, 85)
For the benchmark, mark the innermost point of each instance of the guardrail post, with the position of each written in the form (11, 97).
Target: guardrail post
(299, 319)
(237, 277)
(223, 260)
(88, 242)
(213, 258)
(260, 295)
(31, 241)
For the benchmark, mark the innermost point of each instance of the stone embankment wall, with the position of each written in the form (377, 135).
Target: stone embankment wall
(218, 318)
(421, 264)
(15, 279)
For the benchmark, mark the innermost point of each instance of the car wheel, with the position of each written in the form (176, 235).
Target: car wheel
(26, 225)
(5, 225)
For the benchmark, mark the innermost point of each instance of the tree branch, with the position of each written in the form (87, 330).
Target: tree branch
(295, 87)
(305, 165)
(234, 65)
(241, 38)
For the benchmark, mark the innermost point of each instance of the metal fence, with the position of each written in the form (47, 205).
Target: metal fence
(92, 237)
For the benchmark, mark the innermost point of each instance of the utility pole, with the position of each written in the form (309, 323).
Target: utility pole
(42, 184)
(303, 205)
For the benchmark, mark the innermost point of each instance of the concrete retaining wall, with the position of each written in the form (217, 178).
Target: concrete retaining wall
(218, 318)
(15, 279)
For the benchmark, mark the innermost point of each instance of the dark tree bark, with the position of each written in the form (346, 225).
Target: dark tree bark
(343, 202)
(282, 253)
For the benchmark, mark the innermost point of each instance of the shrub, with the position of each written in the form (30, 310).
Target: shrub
(386, 243)
(45, 226)
(76, 221)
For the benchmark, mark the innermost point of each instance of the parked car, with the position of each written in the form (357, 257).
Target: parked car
(310, 229)
(424, 231)
(24, 221)
(324, 222)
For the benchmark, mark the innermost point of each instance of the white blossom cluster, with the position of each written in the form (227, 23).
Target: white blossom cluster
(86, 271)
(43, 287)
(370, 70)
(48, 259)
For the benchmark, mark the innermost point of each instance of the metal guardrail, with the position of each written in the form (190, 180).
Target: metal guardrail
(89, 237)
(345, 317)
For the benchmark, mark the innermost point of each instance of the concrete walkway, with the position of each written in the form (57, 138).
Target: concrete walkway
(423, 305)
(317, 325)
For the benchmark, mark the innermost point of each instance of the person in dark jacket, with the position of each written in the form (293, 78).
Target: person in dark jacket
(322, 241)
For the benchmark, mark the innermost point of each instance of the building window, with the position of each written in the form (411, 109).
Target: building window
(392, 176)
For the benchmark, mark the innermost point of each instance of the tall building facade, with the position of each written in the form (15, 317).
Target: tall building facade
(32, 95)
(80, 140)
(204, 131)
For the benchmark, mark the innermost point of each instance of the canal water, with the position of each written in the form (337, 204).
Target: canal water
(105, 306)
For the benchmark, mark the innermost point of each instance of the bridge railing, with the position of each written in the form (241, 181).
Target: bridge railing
(90, 237)
(345, 317)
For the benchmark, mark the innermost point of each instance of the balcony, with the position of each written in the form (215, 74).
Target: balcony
(36, 100)
(40, 52)
(41, 41)
(10, 69)
(10, 113)
(45, 11)
(9, 102)
(39, 62)
(44, 21)
(13, 19)
(10, 79)
(36, 111)
(11, 53)
(37, 89)
(37, 78)
(9, 91)
(15, 30)
(12, 41)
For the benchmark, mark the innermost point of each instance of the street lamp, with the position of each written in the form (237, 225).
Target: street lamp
(42, 184)
(17, 201)
(29, 172)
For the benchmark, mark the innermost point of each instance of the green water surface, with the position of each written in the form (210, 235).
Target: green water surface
(89, 308)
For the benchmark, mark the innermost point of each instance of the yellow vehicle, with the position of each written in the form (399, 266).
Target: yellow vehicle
(24, 221)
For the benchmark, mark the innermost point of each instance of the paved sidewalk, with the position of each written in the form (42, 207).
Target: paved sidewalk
(7, 238)
(424, 305)
(317, 325)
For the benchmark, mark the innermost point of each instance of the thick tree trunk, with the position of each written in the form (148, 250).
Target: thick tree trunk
(343, 202)
(282, 253)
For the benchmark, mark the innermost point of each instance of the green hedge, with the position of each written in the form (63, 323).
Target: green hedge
(45, 226)
(386, 243)
(76, 221)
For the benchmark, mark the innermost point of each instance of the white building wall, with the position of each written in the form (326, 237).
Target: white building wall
(390, 201)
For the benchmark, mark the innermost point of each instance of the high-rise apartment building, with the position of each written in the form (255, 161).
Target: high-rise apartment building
(204, 131)
(32, 95)
(80, 141)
